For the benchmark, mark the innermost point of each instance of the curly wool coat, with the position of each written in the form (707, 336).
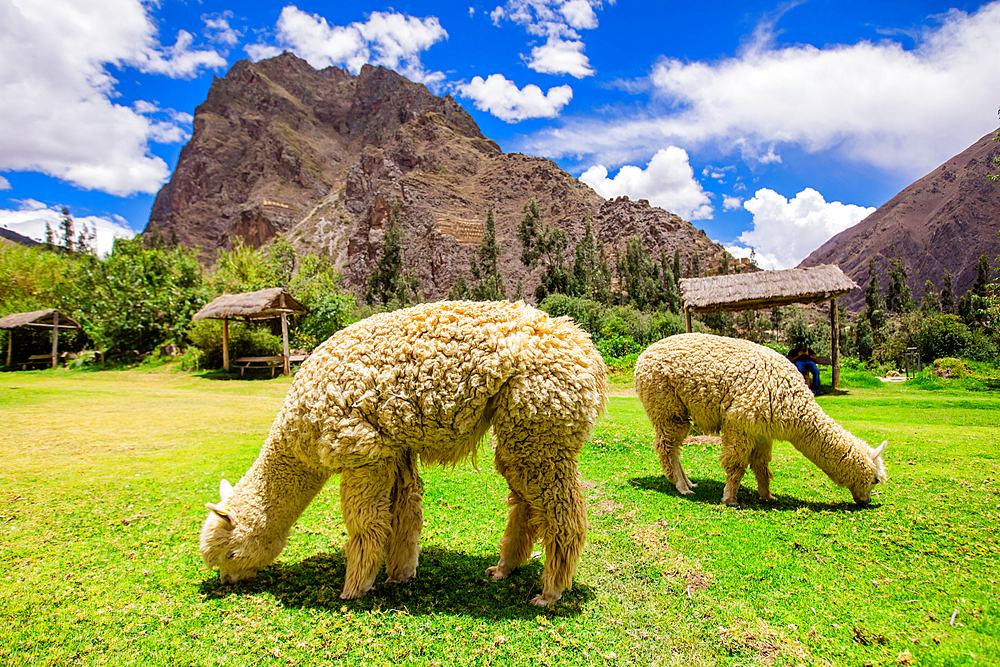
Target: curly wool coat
(424, 384)
(753, 395)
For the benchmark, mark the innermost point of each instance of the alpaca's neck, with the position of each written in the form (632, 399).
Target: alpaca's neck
(274, 493)
(826, 443)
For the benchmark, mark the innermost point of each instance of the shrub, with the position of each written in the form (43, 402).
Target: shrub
(244, 341)
(949, 367)
(941, 336)
(616, 347)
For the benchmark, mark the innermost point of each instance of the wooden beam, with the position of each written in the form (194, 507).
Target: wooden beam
(687, 319)
(55, 339)
(284, 342)
(225, 343)
(10, 345)
(835, 337)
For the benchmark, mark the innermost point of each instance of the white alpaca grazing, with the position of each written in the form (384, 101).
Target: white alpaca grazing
(754, 396)
(423, 384)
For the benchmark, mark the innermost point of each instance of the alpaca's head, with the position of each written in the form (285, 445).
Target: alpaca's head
(226, 543)
(873, 474)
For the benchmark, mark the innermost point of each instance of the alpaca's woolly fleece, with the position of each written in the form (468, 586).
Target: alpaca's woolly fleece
(753, 396)
(424, 384)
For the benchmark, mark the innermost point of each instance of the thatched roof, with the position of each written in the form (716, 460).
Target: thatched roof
(765, 289)
(259, 305)
(38, 318)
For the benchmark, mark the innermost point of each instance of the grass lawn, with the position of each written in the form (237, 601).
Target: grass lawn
(104, 476)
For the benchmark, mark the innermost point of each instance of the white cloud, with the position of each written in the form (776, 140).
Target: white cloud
(558, 21)
(389, 39)
(730, 203)
(667, 181)
(503, 99)
(30, 220)
(4, 183)
(559, 56)
(874, 103)
(57, 93)
(786, 231)
(217, 28)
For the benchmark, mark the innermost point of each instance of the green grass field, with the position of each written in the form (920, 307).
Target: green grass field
(104, 477)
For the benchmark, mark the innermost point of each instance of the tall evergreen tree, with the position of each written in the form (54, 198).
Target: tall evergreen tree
(947, 296)
(677, 268)
(874, 301)
(930, 304)
(388, 281)
(528, 231)
(489, 284)
(602, 277)
(67, 229)
(585, 264)
(899, 297)
(982, 276)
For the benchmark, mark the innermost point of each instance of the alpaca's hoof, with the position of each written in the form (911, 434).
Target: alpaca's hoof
(769, 497)
(544, 600)
(731, 502)
(496, 573)
(353, 595)
(685, 490)
(402, 579)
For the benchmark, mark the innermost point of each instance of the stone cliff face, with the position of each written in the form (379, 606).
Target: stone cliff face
(323, 157)
(943, 222)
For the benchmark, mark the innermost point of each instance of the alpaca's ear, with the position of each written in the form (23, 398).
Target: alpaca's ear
(223, 511)
(225, 490)
(877, 452)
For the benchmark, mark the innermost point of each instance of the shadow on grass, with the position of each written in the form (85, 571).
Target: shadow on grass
(709, 491)
(447, 582)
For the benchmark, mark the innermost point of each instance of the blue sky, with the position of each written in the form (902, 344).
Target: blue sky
(771, 125)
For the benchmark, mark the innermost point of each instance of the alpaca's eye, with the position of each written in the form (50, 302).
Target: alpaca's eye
(876, 481)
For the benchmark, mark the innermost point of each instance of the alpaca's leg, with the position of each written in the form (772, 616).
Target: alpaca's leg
(735, 454)
(365, 500)
(403, 548)
(518, 537)
(759, 463)
(669, 437)
(565, 531)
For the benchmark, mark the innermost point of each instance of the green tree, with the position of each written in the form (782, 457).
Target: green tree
(602, 277)
(982, 276)
(138, 298)
(528, 231)
(488, 285)
(66, 224)
(585, 264)
(931, 303)
(899, 297)
(389, 282)
(677, 269)
(318, 286)
(639, 274)
(947, 296)
(875, 307)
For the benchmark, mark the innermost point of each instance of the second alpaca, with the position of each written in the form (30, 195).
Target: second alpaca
(754, 396)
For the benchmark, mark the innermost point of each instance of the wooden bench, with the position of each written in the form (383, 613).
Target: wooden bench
(260, 362)
(43, 360)
(819, 361)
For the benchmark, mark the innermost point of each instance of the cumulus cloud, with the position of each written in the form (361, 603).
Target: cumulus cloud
(667, 181)
(503, 99)
(390, 39)
(217, 28)
(32, 216)
(57, 93)
(872, 102)
(4, 183)
(730, 203)
(558, 22)
(785, 231)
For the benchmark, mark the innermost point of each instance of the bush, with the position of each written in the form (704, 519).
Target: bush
(244, 341)
(616, 347)
(941, 336)
(949, 367)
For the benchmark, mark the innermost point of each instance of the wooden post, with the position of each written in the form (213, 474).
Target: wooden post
(55, 338)
(687, 319)
(284, 341)
(835, 347)
(10, 345)
(225, 343)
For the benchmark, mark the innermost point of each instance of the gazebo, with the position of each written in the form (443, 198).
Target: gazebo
(262, 304)
(769, 289)
(45, 319)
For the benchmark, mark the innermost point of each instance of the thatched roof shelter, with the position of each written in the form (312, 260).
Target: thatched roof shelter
(260, 305)
(770, 289)
(49, 318)
(765, 289)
